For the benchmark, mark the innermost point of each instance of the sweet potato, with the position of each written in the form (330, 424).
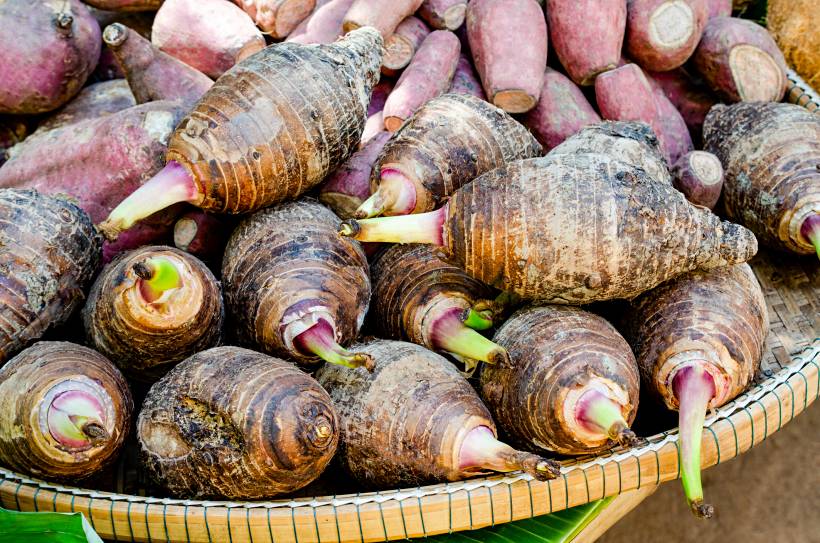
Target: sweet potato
(403, 44)
(443, 14)
(428, 75)
(572, 228)
(375, 117)
(587, 36)
(65, 411)
(108, 67)
(277, 18)
(719, 8)
(770, 154)
(152, 74)
(50, 255)
(508, 41)
(232, 423)
(698, 341)
(125, 5)
(203, 235)
(661, 35)
(465, 79)
(383, 16)
(93, 102)
(562, 111)
(673, 132)
(297, 296)
(288, 116)
(349, 186)
(50, 47)
(546, 399)
(699, 176)
(740, 61)
(324, 25)
(415, 420)
(151, 308)
(448, 142)
(693, 101)
(420, 298)
(210, 35)
(372, 128)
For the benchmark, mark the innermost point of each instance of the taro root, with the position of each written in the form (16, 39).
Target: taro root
(450, 141)
(50, 252)
(416, 420)
(420, 298)
(268, 131)
(236, 424)
(572, 385)
(65, 411)
(569, 228)
(294, 288)
(771, 157)
(151, 308)
(699, 340)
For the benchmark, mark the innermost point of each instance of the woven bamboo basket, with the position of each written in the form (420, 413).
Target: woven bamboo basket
(785, 386)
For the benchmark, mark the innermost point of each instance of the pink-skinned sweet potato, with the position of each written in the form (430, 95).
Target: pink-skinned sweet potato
(277, 18)
(691, 99)
(508, 41)
(428, 75)
(740, 61)
(373, 127)
(50, 47)
(719, 8)
(465, 79)
(381, 15)
(125, 5)
(662, 34)
(587, 35)
(152, 74)
(210, 35)
(672, 130)
(324, 25)
(699, 176)
(402, 45)
(562, 111)
(443, 14)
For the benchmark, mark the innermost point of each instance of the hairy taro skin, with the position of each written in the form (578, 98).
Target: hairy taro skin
(581, 228)
(25, 384)
(771, 159)
(408, 282)
(232, 423)
(285, 260)
(143, 341)
(403, 423)
(276, 124)
(50, 253)
(555, 349)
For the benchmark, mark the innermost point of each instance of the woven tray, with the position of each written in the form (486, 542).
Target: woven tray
(785, 386)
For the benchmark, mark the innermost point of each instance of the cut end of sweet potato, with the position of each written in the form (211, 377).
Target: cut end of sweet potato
(757, 76)
(514, 101)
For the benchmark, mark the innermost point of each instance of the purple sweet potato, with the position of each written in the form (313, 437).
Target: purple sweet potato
(699, 176)
(375, 117)
(508, 41)
(465, 79)
(93, 102)
(141, 21)
(672, 130)
(562, 111)
(662, 34)
(50, 47)
(373, 127)
(152, 74)
(428, 75)
(203, 235)
(587, 35)
(381, 15)
(443, 14)
(740, 61)
(719, 8)
(125, 5)
(692, 100)
(277, 18)
(402, 45)
(210, 35)
(324, 25)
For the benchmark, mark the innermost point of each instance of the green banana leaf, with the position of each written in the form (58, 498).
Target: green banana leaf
(560, 527)
(45, 528)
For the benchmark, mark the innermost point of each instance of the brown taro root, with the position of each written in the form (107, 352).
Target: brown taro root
(151, 308)
(740, 61)
(50, 47)
(420, 298)
(572, 385)
(621, 232)
(449, 142)
(276, 135)
(416, 420)
(699, 176)
(94, 101)
(771, 157)
(210, 35)
(203, 235)
(698, 341)
(277, 18)
(125, 5)
(232, 423)
(402, 45)
(50, 255)
(152, 74)
(294, 287)
(381, 15)
(65, 411)
(324, 25)
(661, 35)
(443, 14)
